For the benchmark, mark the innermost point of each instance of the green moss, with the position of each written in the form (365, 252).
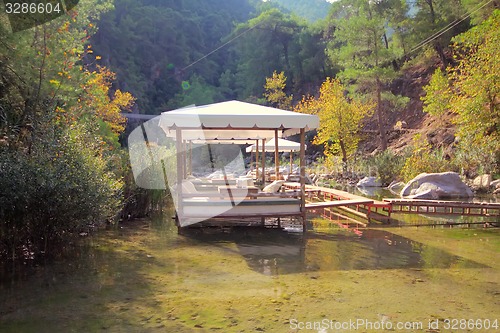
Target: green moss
(146, 280)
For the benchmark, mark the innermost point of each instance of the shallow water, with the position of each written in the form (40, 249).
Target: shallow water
(145, 277)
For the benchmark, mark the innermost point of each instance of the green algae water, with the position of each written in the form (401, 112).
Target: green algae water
(145, 277)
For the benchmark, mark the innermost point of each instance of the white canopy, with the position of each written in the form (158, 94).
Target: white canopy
(234, 120)
(283, 146)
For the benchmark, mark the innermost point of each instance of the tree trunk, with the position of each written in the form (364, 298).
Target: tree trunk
(344, 156)
(440, 51)
(380, 115)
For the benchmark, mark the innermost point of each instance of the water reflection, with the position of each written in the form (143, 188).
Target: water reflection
(274, 252)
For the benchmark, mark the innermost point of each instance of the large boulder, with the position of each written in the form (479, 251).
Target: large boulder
(395, 187)
(482, 182)
(445, 185)
(369, 182)
(495, 183)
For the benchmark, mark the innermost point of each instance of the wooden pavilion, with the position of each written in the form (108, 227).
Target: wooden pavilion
(233, 121)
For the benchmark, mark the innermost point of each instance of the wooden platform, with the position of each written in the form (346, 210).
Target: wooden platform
(322, 198)
(330, 202)
(442, 207)
(335, 203)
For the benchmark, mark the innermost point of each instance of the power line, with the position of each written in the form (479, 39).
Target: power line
(220, 47)
(447, 28)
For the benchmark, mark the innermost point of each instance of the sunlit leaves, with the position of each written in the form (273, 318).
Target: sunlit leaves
(275, 91)
(97, 100)
(471, 89)
(340, 118)
(438, 94)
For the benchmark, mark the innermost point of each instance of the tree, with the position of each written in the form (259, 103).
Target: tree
(471, 89)
(155, 46)
(362, 46)
(275, 93)
(264, 48)
(339, 117)
(56, 116)
(98, 101)
(434, 15)
(437, 94)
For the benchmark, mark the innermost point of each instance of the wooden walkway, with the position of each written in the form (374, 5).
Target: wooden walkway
(329, 202)
(335, 203)
(440, 207)
(326, 199)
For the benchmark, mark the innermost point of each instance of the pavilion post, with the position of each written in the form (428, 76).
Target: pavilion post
(276, 155)
(179, 155)
(263, 162)
(303, 177)
(257, 159)
(190, 169)
(291, 162)
(185, 159)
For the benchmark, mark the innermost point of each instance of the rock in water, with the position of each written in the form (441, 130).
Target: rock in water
(369, 182)
(482, 182)
(443, 185)
(396, 187)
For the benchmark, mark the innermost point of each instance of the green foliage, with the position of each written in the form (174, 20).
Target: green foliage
(59, 126)
(423, 159)
(362, 45)
(387, 165)
(473, 160)
(198, 92)
(150, 44)
(50, 195)
(312, 10)
(432, 16)
(476, 83)
(437, 94)
(339, 117)
(471, 90)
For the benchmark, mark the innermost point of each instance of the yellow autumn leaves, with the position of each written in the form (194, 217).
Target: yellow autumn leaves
(98, 101)
(339, 118)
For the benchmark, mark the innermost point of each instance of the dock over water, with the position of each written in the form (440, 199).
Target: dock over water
(360, 211)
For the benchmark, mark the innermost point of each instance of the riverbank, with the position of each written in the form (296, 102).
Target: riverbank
(144, 277)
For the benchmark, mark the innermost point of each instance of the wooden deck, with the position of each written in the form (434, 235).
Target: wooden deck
(336, 203)
(441, 207)
(330, 203)
(325, 199)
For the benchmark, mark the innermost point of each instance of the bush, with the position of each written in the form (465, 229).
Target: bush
(59, 189)
(473, 158)
(388, 166)
(425, 160)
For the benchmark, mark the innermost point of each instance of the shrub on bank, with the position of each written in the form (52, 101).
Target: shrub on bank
(49, 195)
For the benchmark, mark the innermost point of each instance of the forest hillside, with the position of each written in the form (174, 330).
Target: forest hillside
(172, 54)
(399, 90)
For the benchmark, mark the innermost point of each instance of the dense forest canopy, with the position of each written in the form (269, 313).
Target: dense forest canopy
(312, 10)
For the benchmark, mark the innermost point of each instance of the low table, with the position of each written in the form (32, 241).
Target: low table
(234, 191)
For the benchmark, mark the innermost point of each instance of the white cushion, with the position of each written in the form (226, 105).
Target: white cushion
(274, 186)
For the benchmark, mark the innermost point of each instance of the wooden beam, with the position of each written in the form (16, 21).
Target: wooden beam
(263, 162)
(276, 155)
(334, 203)
(303, 177)
(186, 158)
(256, 159)
(190, 169)
(179, 158)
